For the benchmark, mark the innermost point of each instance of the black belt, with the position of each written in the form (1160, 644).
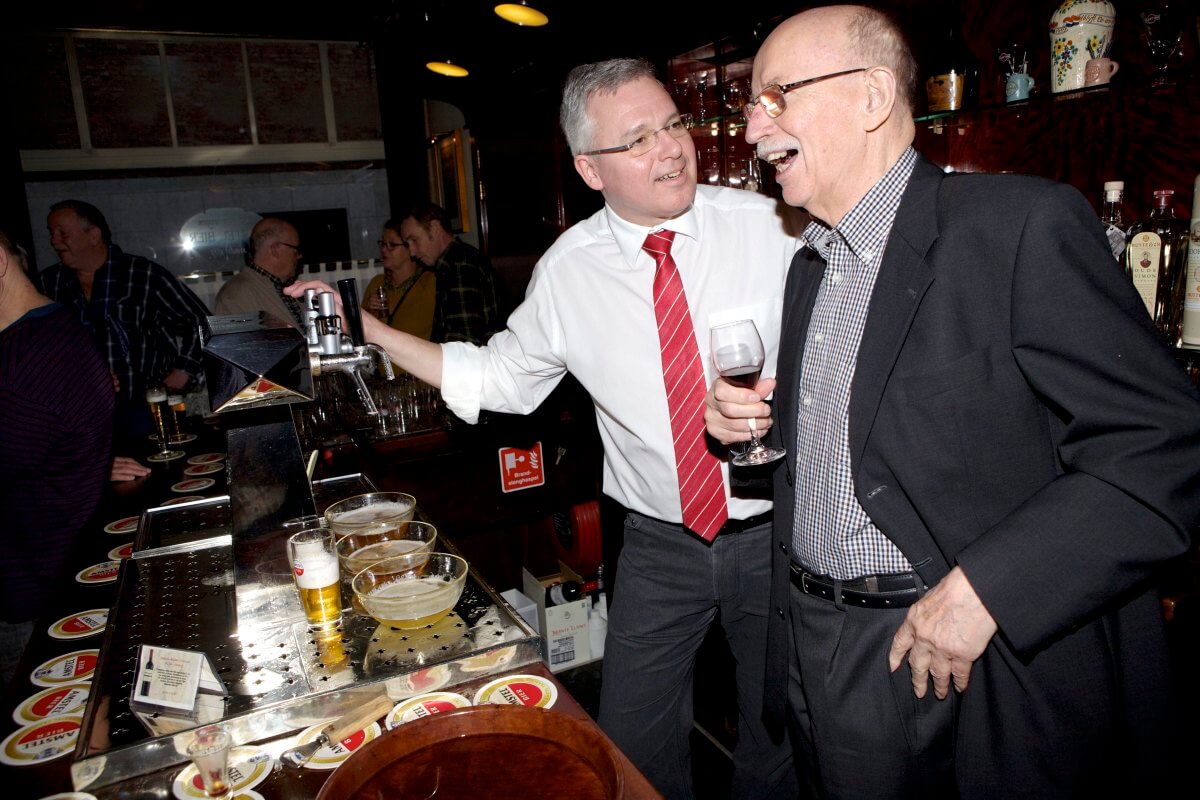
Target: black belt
(870, 591)
(738, 525)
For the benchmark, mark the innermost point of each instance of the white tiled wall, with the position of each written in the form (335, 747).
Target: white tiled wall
(146, 214)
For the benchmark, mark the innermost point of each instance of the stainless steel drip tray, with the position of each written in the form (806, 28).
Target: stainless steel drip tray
(280, 678)
(198, 524)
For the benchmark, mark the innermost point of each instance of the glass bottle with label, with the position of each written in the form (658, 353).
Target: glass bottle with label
(954, 71)
(1113, 216)
(1154, 260)
(1191, 295)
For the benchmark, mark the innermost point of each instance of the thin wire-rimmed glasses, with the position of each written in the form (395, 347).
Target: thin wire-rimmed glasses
(295, 247)
(390, 246)
(771, 97)
(676, 129)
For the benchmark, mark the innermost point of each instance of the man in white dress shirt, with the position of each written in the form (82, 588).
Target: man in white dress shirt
(590, 308)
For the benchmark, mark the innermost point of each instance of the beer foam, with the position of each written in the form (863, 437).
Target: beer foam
(373, 513)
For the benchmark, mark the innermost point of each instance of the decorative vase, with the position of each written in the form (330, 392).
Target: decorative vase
(1080, 30)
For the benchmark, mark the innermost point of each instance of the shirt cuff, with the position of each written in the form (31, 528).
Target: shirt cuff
(462, 375)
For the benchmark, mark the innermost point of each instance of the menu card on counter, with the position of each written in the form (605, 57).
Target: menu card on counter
(171, 683)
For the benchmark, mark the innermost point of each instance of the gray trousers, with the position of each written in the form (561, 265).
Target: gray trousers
(857, 726)
(673, 587)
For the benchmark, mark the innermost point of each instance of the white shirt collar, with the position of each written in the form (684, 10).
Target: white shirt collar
(630, 237)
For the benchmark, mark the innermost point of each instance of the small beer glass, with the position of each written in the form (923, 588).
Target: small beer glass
(209, 751)
(314, 562)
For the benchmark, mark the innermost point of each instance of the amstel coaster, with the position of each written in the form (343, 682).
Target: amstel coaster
(174, 501)
(69, 796)
(76, 626)
(202, 469)
(169, 455)
(53, 702)
(334, 753)
(207, 458)
(488, 662)
(124, 551)
(104, 572)
(421, 681)
(70, 668)
(248, 767)
(41, 741)
(192, 485)
(425, 705)
(123, 525)
(518, 690)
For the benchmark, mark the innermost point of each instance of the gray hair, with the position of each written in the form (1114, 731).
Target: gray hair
(14, 249)
(880, 40)
(590, 79)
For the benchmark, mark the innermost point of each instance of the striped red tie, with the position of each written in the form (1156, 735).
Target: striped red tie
(701, 487)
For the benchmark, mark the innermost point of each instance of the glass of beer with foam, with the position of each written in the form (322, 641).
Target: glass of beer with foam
(315, 569)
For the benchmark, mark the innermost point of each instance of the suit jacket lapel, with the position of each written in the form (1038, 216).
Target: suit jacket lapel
(903, 280)
(800, 292)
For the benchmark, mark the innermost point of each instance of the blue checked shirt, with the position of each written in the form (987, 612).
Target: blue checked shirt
(145, 322)
(832, 534)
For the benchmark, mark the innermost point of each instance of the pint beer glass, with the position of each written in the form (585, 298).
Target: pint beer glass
(315, 569)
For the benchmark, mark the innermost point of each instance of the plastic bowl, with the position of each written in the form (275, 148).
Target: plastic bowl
(403, 596)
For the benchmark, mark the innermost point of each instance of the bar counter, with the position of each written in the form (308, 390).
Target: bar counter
(110, 530)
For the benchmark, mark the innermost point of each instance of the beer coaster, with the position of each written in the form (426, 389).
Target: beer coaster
(104, 572)
(70, 668)
(69, 796)
(425, 705)
(123, 525)
(489, 662)
(207, 458)
(334, 753)
(202, 469)
(124, 551)
(76, 626)
(248, 767)
(174, 501)
(53, 702)
(247, 794)
(170, 455)
(41, 741)
(192, 485)
(421, 681)
(518, 690)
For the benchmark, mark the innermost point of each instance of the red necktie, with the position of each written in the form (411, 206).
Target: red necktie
(701, 487)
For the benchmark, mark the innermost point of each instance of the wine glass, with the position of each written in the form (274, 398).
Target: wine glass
(738, 355)
(156, 398)
(1163, 23)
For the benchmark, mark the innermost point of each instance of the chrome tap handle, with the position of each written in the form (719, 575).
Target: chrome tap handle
(381, 358)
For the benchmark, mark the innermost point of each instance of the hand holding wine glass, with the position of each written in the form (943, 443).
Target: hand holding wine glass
(738, 355)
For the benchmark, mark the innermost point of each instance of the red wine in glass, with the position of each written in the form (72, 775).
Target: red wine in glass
(738, 355)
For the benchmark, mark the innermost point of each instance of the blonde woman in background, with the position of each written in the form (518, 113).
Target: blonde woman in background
(409, 290)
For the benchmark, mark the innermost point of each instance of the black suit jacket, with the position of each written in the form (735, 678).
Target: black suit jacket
(1014, 412)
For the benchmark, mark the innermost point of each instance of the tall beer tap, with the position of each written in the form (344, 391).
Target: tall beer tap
(331, 349)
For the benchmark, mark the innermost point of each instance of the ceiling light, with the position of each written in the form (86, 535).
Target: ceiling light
(521, 14)
(447, 69)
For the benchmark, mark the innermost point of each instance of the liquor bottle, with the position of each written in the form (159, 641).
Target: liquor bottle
(1191, 295)
(564, 592)
(1154, 260)
(1113, 216)
(954, 74)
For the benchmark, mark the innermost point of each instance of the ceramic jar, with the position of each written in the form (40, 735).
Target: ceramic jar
(1080, 30)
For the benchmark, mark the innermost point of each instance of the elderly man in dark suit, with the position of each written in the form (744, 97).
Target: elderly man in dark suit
(991, 456)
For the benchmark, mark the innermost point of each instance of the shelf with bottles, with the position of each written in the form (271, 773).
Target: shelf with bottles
(712, 83)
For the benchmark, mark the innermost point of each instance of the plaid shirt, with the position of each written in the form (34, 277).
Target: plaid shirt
(467, 309)
(143, 319)
(831, 533)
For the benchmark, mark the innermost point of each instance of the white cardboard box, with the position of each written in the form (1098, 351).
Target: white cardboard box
(564, 628)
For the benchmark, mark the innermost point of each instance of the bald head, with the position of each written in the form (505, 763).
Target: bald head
(846, 115)
(867, 36)
(275, 247)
